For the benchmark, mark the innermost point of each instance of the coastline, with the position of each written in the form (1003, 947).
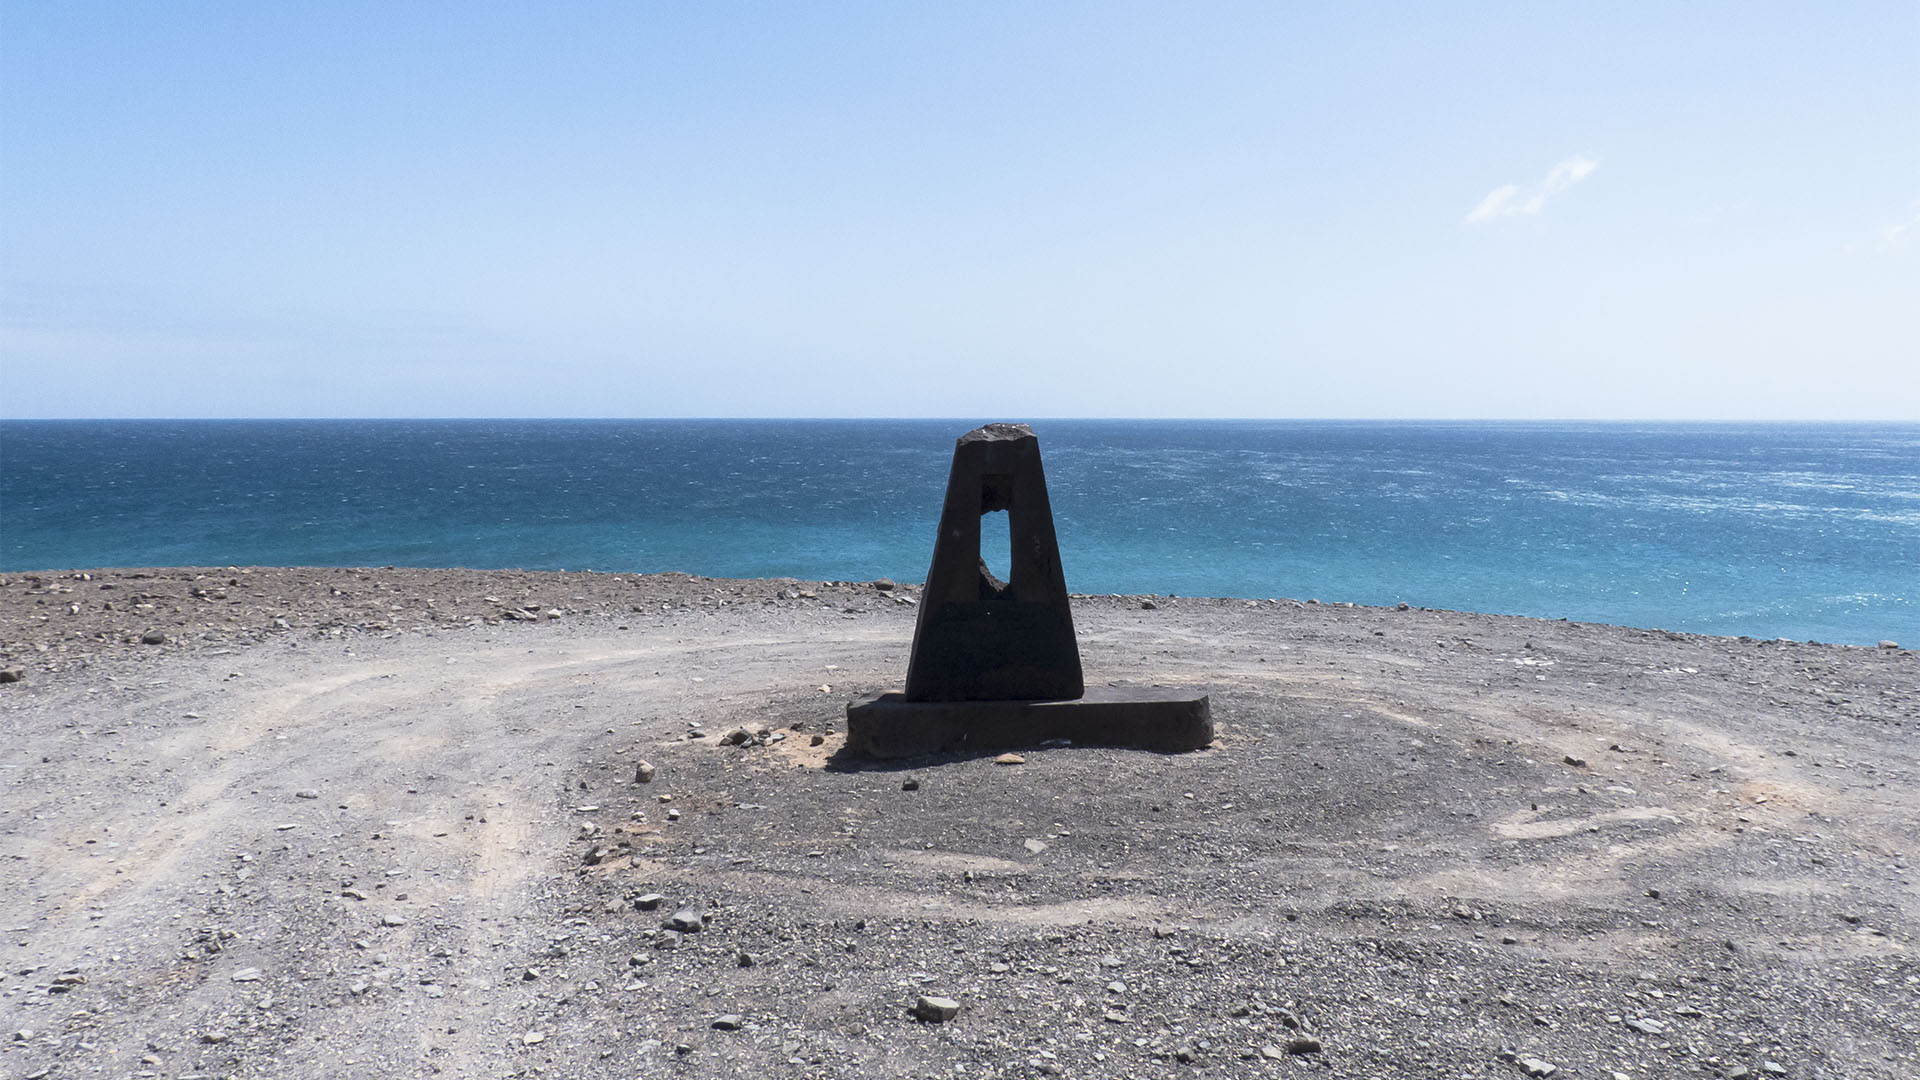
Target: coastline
(81, 611)
(1425, 842)
(1773, 531)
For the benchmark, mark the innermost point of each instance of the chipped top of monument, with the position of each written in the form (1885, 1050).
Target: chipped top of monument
(996, 433)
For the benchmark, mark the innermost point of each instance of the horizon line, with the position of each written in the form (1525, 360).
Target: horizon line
(963, 419)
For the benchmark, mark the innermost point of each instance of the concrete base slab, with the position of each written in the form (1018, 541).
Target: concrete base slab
(1147, 718)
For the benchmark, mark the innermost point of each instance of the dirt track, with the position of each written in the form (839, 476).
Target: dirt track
(328, 828)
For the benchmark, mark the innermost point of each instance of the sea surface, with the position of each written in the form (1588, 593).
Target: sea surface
(1772, 530)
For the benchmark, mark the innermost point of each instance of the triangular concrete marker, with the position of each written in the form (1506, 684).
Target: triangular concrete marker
(995, 664)
(977, 638)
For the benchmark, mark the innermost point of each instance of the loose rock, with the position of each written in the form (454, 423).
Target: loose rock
(935, 1010)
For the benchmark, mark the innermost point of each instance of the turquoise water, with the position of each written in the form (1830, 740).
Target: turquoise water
(1803, 531)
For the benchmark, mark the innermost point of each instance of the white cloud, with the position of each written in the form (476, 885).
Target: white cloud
(1899, 235)
(1498, 203)
(1509, 199)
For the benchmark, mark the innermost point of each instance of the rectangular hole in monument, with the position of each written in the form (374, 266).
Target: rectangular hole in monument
(996, 544)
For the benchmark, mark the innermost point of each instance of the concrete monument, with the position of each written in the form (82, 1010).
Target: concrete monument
(994, 663)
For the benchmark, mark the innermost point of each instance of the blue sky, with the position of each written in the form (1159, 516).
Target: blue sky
(1061, 209)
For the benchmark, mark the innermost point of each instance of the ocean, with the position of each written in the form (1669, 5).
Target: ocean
(1806, 531)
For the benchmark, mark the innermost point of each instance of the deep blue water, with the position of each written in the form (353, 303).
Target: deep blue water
(1803, 531)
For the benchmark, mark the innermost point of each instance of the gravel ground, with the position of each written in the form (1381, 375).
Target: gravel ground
(347, 823)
